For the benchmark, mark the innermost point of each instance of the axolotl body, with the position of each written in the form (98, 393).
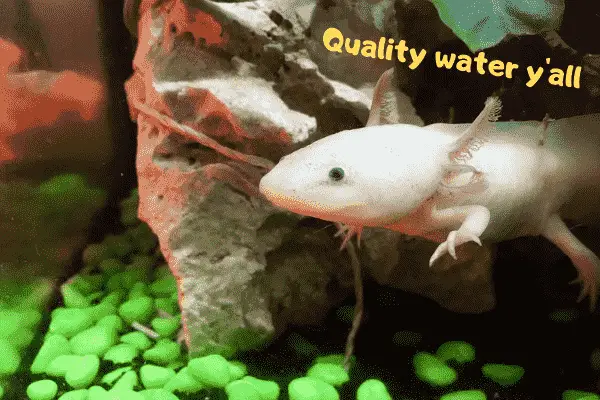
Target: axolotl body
(453, 183)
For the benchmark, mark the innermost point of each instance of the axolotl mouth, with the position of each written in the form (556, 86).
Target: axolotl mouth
(289, 198)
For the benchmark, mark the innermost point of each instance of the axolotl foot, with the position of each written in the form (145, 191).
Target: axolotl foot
(455, 239)
(585, 261)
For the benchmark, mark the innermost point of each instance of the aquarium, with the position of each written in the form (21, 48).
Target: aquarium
(300, 200)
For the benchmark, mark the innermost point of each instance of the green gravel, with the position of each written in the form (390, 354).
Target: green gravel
(184, 382)
(307, 388)
(212, 370)
(137, 339)
(163, 352)
(81, 374)
(95, 340)
(465, 395)
(139, 309)
(42, 390)
(432, 370)
(10, 359)
(122, 353)
(502, 374)
(460, 352)
(153, 376)
(242, 390)
(334, 374)
(54, 345)
(372, 389)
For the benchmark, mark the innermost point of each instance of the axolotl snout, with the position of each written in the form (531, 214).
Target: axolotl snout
(453, 183)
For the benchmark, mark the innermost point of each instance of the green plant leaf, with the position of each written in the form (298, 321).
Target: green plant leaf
(485, 23)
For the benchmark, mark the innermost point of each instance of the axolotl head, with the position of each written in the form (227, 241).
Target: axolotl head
(369, 176)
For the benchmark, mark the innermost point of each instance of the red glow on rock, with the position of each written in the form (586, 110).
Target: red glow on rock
(181, 18)
(36, 99)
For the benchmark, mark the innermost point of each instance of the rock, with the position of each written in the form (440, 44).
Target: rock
(402, 262)
(217, 100)
(367, 21)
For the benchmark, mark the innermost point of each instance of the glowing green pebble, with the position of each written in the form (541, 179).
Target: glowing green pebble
(334, 374)
(372, 389)
(88, 284)
(127, 381)
(579, 395)
(121, 353)
(163, 352)
(465, 395)
(113, 322)
(112, 376)
(95, 340)
(70, 321)
(94, 296)
(61, 364)
(10, 323)
(21, 339)
(242, 390)
(82, 374)
(42, 390)
(166, 327)
(166, 305)
(153, 376)
(330, 359)
(137, 339)
(184, 382)
(30, 317)
(502, 374)
(307, 388)
(211, 370)
(80, 394)
(432, 370)
(139, 289)
(98, 393)
(53, 346)
(237, 370)
(114, 298)
(158, 394)
(115, 282)
(139, 309)
(461, 352)
(125, 394)
(102, 310)
(164, 286)
(268, 390)
(131, 276)
(73, 298)
(10, 360)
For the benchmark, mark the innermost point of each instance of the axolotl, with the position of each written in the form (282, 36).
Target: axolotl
(453, 183)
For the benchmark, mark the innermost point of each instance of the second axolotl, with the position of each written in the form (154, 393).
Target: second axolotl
(453, 183)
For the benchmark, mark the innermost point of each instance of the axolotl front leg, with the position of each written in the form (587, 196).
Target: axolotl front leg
(471, 220)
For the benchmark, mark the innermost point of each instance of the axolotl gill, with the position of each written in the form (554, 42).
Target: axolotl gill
(453, 183)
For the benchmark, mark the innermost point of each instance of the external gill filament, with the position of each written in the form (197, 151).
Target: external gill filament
(348, 232)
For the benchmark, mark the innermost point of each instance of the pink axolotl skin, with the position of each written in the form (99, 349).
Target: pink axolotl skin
(453, 183)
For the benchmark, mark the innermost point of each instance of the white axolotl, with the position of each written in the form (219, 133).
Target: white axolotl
(453, 183)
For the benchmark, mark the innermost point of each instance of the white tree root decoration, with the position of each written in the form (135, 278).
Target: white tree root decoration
(359, 306)
(201, 138)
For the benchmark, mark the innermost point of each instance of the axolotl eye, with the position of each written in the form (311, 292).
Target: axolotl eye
(336, 174)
